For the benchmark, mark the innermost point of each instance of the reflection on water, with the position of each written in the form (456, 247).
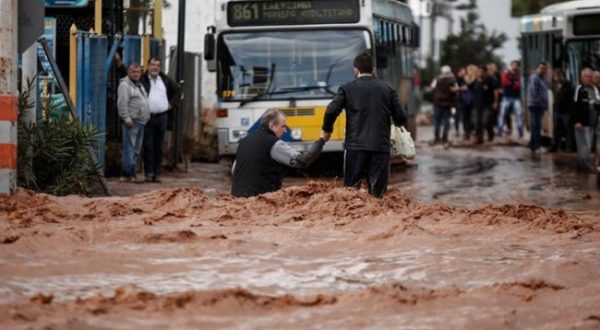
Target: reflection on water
(497, 175)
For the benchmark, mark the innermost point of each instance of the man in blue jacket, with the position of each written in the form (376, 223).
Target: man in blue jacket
(371, 105)
(537, 101)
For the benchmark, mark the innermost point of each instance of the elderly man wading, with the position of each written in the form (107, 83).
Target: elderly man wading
(262, 156)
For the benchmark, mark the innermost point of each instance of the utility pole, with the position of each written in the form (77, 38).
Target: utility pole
(177, 124)
(8, 95)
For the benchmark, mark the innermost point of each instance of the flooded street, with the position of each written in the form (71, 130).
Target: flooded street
(466, 238)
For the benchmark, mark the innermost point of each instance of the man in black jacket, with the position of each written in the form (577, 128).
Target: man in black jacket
(262, 156)
(162, 94)
(585, 117)
(370, 106)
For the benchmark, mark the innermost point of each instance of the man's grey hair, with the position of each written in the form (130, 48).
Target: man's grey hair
(270, 116)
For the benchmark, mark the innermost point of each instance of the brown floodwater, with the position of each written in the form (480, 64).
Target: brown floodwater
(312, 255)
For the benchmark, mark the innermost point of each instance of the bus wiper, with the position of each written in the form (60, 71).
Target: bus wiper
(307, 88)
(261, 95)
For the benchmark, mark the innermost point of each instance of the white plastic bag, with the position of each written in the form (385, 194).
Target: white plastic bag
(401, 143)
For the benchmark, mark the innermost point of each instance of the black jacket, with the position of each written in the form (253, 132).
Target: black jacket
(563, 98)
(370, 106)
(583, 114)
(173, 88)
(255, 171)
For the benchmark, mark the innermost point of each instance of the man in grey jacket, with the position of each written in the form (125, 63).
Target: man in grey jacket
(133, 109)
(262, 157)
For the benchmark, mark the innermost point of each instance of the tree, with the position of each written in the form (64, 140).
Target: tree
(473, 44)
(528, 7)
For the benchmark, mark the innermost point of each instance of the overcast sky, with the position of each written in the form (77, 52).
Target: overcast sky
(494, 14)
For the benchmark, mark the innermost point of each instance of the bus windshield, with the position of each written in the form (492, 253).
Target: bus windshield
(275, 65)
(581, 54)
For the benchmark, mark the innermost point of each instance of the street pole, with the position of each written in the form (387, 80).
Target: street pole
(8, 96)
(421, 34)
(432, 38)
(177, 124)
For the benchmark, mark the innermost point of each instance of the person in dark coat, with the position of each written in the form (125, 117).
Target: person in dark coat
(262, 156)
(587, 102)
(563, 106)
(371, 105)
(162, 94)
(444, 98)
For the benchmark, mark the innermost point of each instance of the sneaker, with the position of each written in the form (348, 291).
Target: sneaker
(156, 180)
(123, 179)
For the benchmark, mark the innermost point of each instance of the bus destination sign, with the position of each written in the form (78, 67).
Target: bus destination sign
(290, 12)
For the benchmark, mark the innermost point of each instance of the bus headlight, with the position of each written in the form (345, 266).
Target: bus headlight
(296, 134)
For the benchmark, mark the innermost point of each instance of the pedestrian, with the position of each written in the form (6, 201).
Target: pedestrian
(537, 102)
(460, 75)
(262, 157)
(444, 88)
(162, 95)
(563, 92)
(511, 99)
(596, 79)
(465, 98)
(494, 89)
(132, 105)
(485, 98)
(587, 102)
(371, 105)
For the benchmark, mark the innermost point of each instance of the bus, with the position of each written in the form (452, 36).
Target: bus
(565, 35)
(294, 55)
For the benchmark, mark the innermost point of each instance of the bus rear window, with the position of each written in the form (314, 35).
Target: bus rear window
(585, 25)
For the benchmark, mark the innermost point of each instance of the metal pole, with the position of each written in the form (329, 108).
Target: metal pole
(98, 16)
(177, 125)
(73, 63)
(157, 19)
(180, 40)
(8, 96)
(421, 34)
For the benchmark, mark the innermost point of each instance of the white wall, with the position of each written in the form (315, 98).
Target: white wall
(198, 15)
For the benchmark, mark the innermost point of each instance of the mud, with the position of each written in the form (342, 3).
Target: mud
(312, 255)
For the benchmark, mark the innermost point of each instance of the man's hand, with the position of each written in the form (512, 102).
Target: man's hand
(129, 122)
(578, 126)
(325, 136)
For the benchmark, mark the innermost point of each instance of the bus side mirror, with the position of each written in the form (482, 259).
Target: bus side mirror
(209, 44)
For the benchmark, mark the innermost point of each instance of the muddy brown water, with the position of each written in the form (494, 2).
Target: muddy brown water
(466, 238)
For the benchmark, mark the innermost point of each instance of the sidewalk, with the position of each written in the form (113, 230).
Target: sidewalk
(212, 178)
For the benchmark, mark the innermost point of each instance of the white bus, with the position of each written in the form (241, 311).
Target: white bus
(566, 36)
(294, 55)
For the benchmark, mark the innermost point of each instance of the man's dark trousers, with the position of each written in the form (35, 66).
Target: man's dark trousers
(537, 113)
(154, 136)
(372, 164)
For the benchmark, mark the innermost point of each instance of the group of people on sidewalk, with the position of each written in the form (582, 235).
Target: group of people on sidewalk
(484, 101)
(143, 103)
(474, 93)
